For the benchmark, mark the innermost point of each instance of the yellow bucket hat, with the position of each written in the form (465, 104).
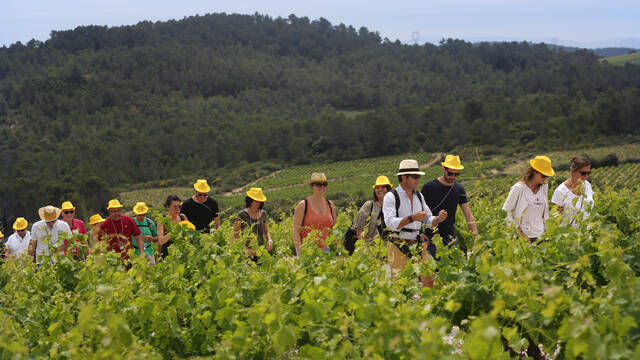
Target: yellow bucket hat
(452, 162)
(20, 224)
(382, 180)
(114, 204)
(95, 219)
(67, 205)
(188, 224)
(256, 194)
(140, 208)
(542, 164)
(202, 186)
(1, 235)
(49, 213)
(316, 177)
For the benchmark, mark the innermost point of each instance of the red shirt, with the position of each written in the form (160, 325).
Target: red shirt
(79, 226)
(119, 234)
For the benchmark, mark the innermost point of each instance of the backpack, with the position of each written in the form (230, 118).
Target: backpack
(350, 237)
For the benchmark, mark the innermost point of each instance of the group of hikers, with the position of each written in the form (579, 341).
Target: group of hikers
(404, 217)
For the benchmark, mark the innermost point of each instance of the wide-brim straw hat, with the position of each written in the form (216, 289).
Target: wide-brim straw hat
(315, 178)
(67, 205)
(542, 164)
(256, 194)
(202, 186)
(452, 162)
(96, 219)
(114, 204)
(20, 224)
(49, 213)
(140, 208)
(382, 180)
(409, 167)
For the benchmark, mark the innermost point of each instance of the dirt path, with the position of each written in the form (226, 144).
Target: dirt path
(435, 159)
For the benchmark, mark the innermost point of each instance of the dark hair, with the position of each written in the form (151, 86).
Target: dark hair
(248, 201)
(170, 199)
(529, 174)
(375, 197)
(578, 162)
(399, 179)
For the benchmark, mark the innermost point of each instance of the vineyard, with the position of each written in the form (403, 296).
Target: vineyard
(572, 296)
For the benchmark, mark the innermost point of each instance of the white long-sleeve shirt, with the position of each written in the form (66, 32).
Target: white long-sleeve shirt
(47, 238)
(411, 230)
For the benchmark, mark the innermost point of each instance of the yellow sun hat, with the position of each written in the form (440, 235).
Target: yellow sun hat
(188, 224)
(67, 205)
(382, 180)
(256, 194)
(542, 164)
(202, 186)
(20, 224)
(95, 219)
(140, 208)
(452, 162)
(114, 204)
(49, 213)
(1, 235)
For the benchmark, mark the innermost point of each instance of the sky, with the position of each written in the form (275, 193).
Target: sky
(583, 23)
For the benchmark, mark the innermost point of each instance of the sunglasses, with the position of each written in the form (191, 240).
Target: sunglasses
(202, 194)
(543, 175)
(69, 211)
(452, 174)
(323, 184)
(585, 173)
(414, 176)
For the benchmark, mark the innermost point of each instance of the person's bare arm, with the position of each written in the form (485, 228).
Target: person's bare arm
(471, 221)
(298, 216)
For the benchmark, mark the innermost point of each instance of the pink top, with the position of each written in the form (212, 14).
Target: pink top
(78, 224)
(314, 221)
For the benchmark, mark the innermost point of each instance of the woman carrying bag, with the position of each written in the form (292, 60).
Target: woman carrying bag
(371, 209)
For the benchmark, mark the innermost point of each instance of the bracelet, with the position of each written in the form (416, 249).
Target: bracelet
(410, 218)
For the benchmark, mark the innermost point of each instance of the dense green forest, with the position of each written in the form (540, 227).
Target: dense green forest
(98, 107)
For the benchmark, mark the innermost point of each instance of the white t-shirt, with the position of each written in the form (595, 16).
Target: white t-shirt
(575, 208)
(47, 238)
(527, 210)
(17, 245)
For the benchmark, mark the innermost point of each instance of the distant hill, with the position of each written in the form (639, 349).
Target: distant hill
(96, 108)
(624, 59)
(600, 52)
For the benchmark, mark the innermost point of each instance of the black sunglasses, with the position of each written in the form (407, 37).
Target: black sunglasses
(202, 194)
(69, 211)
(583, 173)
(320, 184)
(452, 174)
(414, 176)
(543, 175)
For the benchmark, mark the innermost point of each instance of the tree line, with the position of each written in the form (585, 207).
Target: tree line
(98, 107)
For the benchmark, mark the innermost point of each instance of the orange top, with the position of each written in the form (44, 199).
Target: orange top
(320, 222)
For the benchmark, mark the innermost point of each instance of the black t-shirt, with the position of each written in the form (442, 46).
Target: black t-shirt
(200, 215)
(434, 193)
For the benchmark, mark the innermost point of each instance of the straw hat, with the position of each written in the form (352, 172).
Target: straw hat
(542, 164)
(256, 194)
(49, 213)
(316, 177)
(140, 208)
(452, 162)
(202, 186)
(20, 224)
(114, 204)
(382, 180)
(95, 219)
(67, 205)
(409, 167)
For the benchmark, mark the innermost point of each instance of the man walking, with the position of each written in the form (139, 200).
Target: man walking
(404, 212)
(444, 193)
(119, 230)
(49, 233)
(200, 209)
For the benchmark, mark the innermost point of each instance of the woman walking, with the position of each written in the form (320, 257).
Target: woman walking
(315, 213)
(527, 205)
(574, 196)
(255, 218)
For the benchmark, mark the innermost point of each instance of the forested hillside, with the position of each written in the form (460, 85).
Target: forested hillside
(97, 107)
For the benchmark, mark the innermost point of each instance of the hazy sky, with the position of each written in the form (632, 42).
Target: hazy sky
(571, 22)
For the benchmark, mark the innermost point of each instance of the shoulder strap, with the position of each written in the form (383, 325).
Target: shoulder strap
(149, 223)
(305, 212)
(395, 195)
(330, 208)
(371, 208)
(420, 198)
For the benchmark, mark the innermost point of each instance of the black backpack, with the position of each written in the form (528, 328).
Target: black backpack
(350, 237)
